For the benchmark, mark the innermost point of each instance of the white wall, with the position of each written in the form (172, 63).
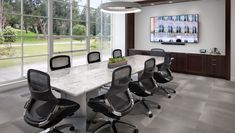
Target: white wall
(211, 25)
(233, 41)
(119, 36)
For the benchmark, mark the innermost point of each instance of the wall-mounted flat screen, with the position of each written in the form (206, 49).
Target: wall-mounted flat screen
(173, 29)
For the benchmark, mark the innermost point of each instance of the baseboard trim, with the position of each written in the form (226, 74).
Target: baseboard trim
(232, 78)
(13, 85)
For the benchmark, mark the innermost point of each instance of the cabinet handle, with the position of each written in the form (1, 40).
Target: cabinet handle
(213, 64)
(213, 59)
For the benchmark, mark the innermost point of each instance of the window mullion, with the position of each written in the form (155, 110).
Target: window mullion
(50, 32)
(71, 29)
(22, 38)
(88, 27)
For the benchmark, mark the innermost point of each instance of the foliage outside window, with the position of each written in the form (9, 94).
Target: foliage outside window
(24, 32)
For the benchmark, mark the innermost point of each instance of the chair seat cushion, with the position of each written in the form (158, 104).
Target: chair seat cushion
(162, 77)
(98, 105)
(138, 90)
(66, 108)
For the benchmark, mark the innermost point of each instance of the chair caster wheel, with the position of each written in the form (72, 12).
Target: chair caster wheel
(169, 96)
(159, 107)
(150, 114)
(136, 130)
(72, 128)
(174, 91)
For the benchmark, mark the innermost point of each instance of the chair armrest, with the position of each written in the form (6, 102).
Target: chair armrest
(100, 105)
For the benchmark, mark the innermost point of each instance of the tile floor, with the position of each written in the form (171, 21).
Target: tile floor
(201, 105)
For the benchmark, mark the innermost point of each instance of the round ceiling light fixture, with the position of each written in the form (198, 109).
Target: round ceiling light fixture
(123, 7)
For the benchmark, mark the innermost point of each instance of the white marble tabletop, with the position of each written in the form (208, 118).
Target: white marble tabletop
(82, 79)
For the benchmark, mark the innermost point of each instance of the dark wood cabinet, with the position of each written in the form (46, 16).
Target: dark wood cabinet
(215, 66)
(195, 63)
(179, 64)
(199, 64)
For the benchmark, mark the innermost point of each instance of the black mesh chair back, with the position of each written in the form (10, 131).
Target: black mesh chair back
(118, 94)
(93, 57)
(60, 62)
(42, 100)
(146, 76)
(39, 85)
(157, 52)
(166, 64)
(149, 68)
(117, 53)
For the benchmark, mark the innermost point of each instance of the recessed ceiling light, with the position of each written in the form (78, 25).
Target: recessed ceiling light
(152, 4)
(170, 2)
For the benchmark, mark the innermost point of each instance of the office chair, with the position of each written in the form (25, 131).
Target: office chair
(145, 85)
(117, 53)
(44, 110)
(163, 75)
(157, 52)
(93, 57)
(117, 102)
(60, 62)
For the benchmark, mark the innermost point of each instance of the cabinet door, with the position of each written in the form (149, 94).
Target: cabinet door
(215, 66)
(181, 62)
(195, 64)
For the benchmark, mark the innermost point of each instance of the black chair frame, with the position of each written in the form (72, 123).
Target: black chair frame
(94, 52)
(108, 109)
(62, 67)
(139, 88)
(117, 50)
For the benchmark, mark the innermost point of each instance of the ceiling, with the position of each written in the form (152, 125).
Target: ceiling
(158, 2)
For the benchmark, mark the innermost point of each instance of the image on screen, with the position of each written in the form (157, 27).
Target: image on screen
(179, 28)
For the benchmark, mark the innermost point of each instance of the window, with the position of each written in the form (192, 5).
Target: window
(27, 40)
(100, 29)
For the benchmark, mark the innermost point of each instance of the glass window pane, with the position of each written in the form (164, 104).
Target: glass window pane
(35, 7)
(68, 54)
(95, 44)
(79, 13)
(106, 48)
(10, 49)
(80, 2)
(79, 28)
(95, 3)
(106, 18)
(79, 43)
(61, 27)
(95, 29)
(79, 58)
(35, 45)
(13, 21)
(12, 6)
(39, 63)
(95, 16)
(106, 30)
(10, 37)
(62, 44)
(61, 10)
(10, 69)
(35, 26)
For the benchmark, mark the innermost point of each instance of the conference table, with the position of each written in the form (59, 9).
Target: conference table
(83, 82)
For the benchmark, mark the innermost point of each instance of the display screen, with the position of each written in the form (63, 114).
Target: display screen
(179, 28)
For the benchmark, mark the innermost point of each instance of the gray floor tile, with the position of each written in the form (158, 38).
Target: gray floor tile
(201, 105)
